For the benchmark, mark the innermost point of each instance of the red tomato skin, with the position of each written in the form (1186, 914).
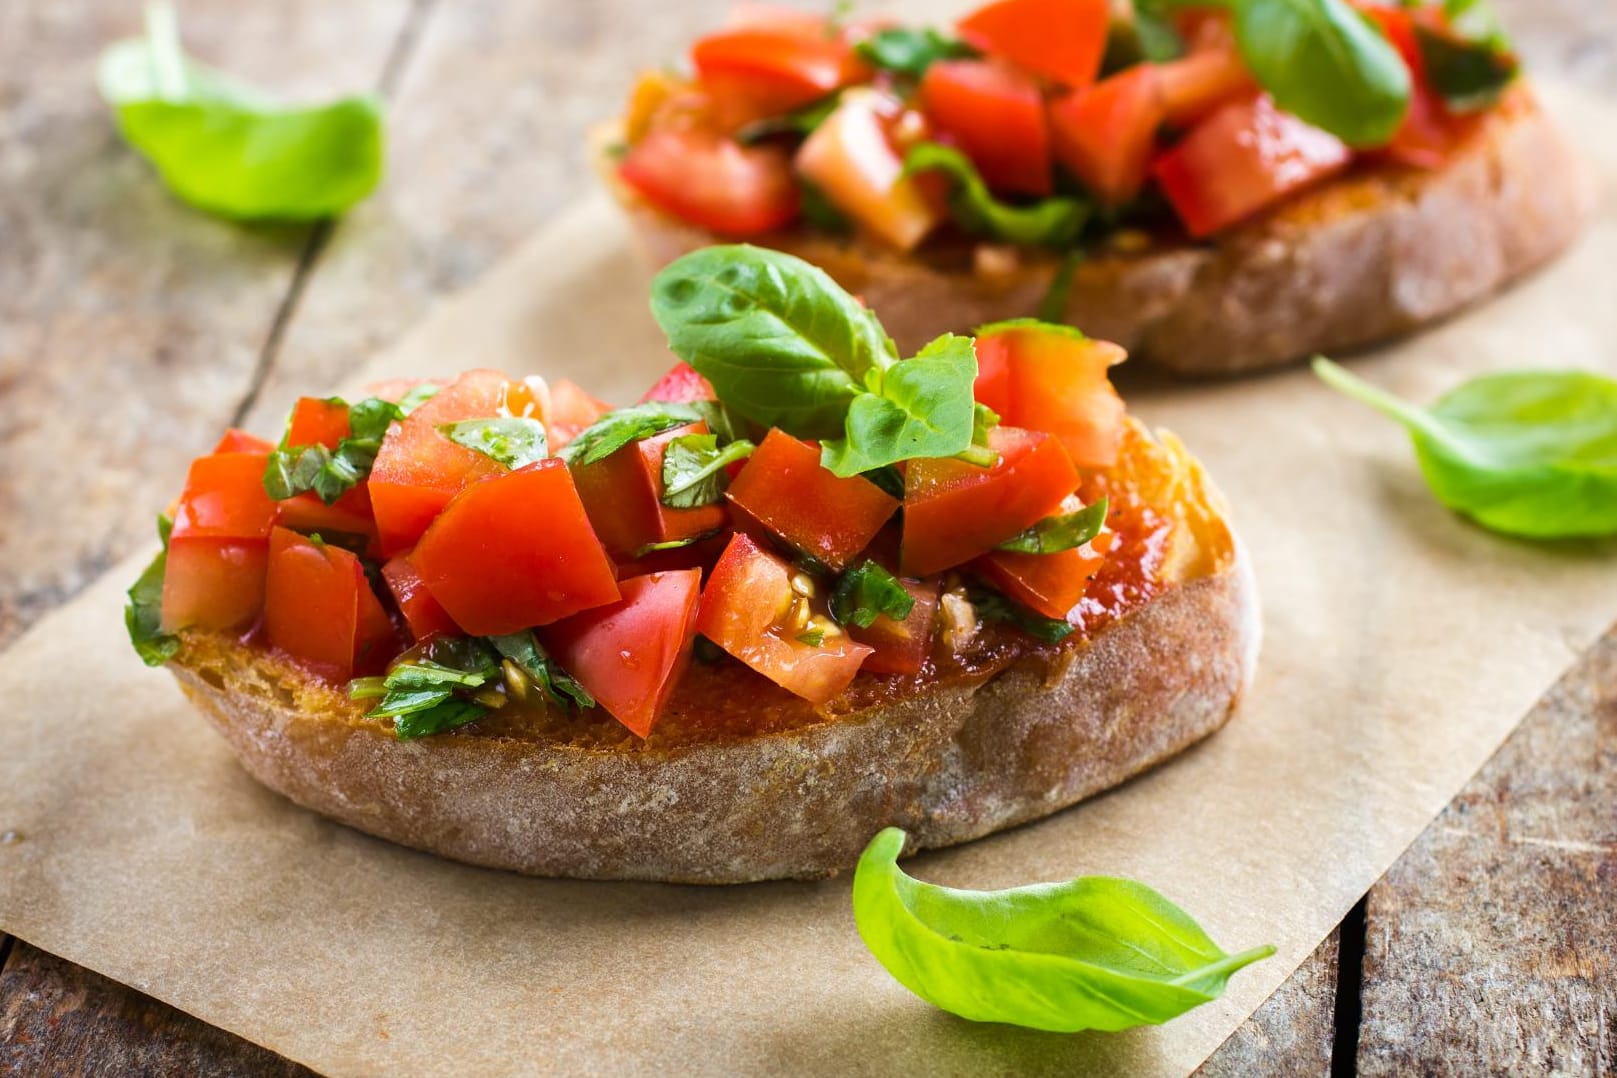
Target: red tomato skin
(631, 653)
(1062, 40)
(213, 583)
(681, 385)
(773, 68)
(852, 158)
(1241, 160)
(1055, 380)
(224, 498)
(515, 551)
(710, 180)
(316, 421)
(1048, 584)
(319, 608)
(954, 511)
(423, 614)
(784, 489)
(747, 595)
(1105, 134)
(995, 114)
(418, 470)
(902, 647)
(236, 440)
(623, 497)
(348, 515)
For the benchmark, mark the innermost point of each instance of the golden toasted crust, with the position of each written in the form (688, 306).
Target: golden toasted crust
(1364, 258)
(961, 760)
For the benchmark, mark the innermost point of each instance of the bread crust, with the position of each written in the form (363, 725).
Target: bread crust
(963, 759)
(1362, 259)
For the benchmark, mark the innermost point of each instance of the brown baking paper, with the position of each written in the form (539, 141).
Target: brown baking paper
(1402, 645)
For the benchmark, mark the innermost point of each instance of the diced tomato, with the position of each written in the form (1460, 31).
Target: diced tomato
(571, 410)
(749, 609)
(851, 158)
(239, 441)
(1062, 40)
(1054, 379)
(680, 385)
(1242, 159)
(1049, 584)
(902, 647)
(710, 180)
(995, 114)
(774, 69)
(418, 470)
(1430, 134)
(954, 511)
(630, 654)
(1105, 134)
(423, 614)
(348, 515)
(320, 610)
(224, 498)
(623, 496)
(213, 583)
(784, 490)
(317, 421)
(1192, 86)
(515, 551)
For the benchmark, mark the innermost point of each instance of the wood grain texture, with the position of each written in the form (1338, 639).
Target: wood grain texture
(1292, 1033)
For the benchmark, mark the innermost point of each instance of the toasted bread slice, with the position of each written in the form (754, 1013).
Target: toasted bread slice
(948, 759)
(1364, 258)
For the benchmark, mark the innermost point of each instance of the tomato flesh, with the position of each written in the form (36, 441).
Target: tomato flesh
(680, 385)
(1054, 379)
(954, 511)
(1062, 40)
(902, 647)
(1048, 584)
(1430, 134)
(1192, 86)
(623, 496)
(213, 583)
(712, 181)
(515, 551)
(784, 490)
(320, 610)
(224, 498)
(775, 69)
(348, 515)
(630, 654)
(424, 615)
(748, 609)
(317, 421)
(239, 441)
(1105, 134)
(571, 410)
(1241, 160)
(995, 114)
(851, 158)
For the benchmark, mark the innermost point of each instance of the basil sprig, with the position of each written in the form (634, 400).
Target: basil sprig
(785, 346)
(910, 51)
(1066, 531)
(694, 472)
(513, 441)
(867, 592)
(231, 149)
(143, 614)
(331, 473)
(1050, 222)
(1091, 953)
(1527, 453)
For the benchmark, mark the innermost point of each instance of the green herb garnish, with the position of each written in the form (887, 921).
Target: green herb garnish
(909, 52)
(1050, 222)
(331, 473)
(992, 606)
(1066, 531)
(143, 614)
(694, 472)
(511, 440)
(619, 427)
(868, 592)
(558, 685)
(1468, 74)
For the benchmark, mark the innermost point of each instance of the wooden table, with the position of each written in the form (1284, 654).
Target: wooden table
(132, 329)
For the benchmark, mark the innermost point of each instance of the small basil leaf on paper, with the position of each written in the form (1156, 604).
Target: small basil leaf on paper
(867, 592)
(618, 428)
(694, 469)
(1067, 531)
(1528, 453)
(560, 687)
(231, 149)
(1091, 953)
(1469, 75)
(513, 441)
(782, 344)
(143, 614)
(923, 408)
(990, 605)
(909, 52)
(1326, 63)
(1051, 222)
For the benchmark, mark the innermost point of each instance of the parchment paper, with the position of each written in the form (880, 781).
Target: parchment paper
(1402, 646)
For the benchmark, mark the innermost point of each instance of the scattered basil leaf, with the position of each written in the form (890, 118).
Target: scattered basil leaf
(909, 52)
(558, 685)
(421, 695)
(438, 719)
(143, 614)
(819, 212)
(1155, 35)
(1050, 222)
(513, 441)
(619, 427)
(1054, 534)
(1529, 453)
(867, 592)
(230, 148)
(800, 121)
(889, 479)
(923, 408)
(415, 397)
(812, 637)
(992, 606)
(1091, 953)
(331, 473)
(694, 469)
(673, 544)
(1468, 75)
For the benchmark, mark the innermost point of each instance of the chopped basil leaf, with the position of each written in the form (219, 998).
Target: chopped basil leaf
(511, 440)
(922, 407)
(694, 469)
(438, 719)
(1054, 534)
(983, 420)
(1050, 222)
(673, 544)
(867, 592)
(812, 637)
(523, 649)
(1469, 75)
(416, 397)
(992, 606)
(909, 52)
(1476, 20)
(331, 473)
(1155, 37)
(143, 615)
(888, 478)
(427, 674)
(799, 121)
(819, 211)
(422, 694)
(618, 428)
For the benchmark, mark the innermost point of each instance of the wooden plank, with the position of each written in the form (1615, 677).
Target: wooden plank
(1292, 1033)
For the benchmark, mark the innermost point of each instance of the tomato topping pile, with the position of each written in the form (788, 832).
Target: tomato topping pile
(788, 117)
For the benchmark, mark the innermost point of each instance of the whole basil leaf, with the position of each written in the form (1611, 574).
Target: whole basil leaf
(694, 469)
(1092, 953)
(1054, 534)
(1529, 453)
(910, 51)
(619, 427)
(924, 407)
(1326, 63)
(143, 614)
(231, 149)
(1052, 222)
(512, 440)
(865, 593)
(782, 344)
(1468, 75)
